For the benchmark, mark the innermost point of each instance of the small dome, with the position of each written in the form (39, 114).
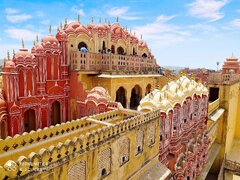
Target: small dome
(38, 47)
(9, 64)
(61, 35)
(49, 39)
(232, 58)
(24, 53)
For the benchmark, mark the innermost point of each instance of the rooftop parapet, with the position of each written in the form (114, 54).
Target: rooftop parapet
(66, 144)
(223, 79)
(86, 61)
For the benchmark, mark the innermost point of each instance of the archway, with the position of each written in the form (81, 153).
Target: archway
(56, 113)
(103, 47)
(121, 97)
(113, 49)
(120, 50)
(134, 52)
(136, 96)
(4, 132)
(30, 120)
(144, 55)
(148, 89)
(82, 45)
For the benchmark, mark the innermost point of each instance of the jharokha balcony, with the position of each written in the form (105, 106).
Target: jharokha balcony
(126, 64)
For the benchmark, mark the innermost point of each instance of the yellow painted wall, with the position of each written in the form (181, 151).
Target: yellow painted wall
(237, 130)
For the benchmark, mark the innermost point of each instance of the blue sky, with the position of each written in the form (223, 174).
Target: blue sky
(188, 33)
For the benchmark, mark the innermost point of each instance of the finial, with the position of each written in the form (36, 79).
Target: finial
(65, 23)
(109, 23)
(126, 27)
(13, 52)
(100, 20)
(79, 18)
(92, 20)
(50, 29)
(134, 33)
(117, 19)
(8, 55)
(37, 38)
(105, 20)
(131, 31)
(141, 36)
(60, 26)
(22, 43)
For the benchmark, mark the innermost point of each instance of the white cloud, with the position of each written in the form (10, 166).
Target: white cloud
(207, 9)
(236, 22)
(40, 14)
(11, 11)
(161, 33)
(18, 18)
(122, 12)
(202, 27)
(19, 34)
(45, 22)
(238, 10)
(78, 11)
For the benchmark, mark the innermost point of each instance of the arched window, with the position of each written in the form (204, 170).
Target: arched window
(82, 46)
(113, 49)
(120, 50)
(134, 52)
(136, 96)
(30, 120)
(56, 113)
(103, 47)
(3, 125)
(144, 55)
(121, 97)
(148, 89)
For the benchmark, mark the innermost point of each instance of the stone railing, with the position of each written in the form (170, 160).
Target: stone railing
(81, 61)
(26, 139)
(218, 78)
(213, 106)
(232, 166)
(33, 159)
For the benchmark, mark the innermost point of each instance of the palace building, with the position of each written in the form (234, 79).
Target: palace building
(92, 103)
(55, 81)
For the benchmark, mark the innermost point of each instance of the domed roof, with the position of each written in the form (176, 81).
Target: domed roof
(61, 34)
(232, 58)
(24, 53)
(99, 94)
(172, 93)
(38, 47)
(9, 64)
(49, 39)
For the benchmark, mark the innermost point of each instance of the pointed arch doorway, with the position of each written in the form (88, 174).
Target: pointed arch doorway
(56, 113)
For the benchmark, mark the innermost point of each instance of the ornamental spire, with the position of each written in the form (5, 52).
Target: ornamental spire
(65, 23)
(60, 26)
(92, 20)
(50, 29)
(79, 18)
(117, 19)
(37, 38)
(100, 20)
(8, 55)
(13, 52)
(22, 43)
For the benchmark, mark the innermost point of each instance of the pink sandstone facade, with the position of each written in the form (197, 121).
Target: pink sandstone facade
(38, 84)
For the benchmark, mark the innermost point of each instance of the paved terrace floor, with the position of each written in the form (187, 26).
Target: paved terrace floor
(234, 154)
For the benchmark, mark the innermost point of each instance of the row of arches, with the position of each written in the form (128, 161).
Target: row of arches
(136, 96)
(30, 120)
(82, 46)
